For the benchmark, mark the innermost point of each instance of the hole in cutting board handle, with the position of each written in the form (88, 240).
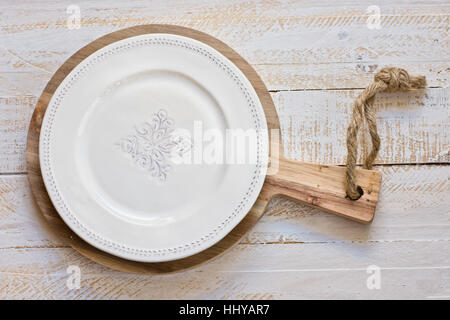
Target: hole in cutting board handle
(360, 191)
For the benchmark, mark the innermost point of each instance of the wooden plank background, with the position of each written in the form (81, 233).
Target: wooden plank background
(315, 57)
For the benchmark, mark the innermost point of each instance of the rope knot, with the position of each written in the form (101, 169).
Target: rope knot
(399, 79)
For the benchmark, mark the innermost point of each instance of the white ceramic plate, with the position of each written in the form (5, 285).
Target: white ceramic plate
(111, 134)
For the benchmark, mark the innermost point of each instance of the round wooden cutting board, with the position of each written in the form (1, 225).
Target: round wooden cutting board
(62, 231)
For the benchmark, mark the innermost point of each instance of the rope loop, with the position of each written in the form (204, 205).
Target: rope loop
(386, 80)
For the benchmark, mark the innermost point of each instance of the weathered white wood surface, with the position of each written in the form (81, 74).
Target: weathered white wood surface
(314, 57)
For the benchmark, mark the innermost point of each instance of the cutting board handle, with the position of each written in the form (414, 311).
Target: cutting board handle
(323, 187)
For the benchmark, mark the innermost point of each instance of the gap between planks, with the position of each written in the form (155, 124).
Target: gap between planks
(338, 165)
(343, 89)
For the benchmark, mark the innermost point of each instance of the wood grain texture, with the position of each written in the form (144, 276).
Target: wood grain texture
(323, 187)
(265, 31)
(313, 254)
(410, 270)
(413, 206)
(413, 126)
(296, 47)
(293, 46)
(277, 77)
